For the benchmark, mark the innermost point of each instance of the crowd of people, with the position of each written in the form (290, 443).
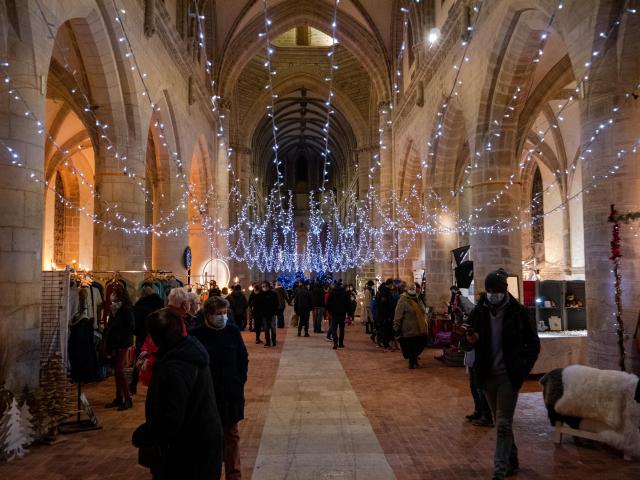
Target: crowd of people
(194, 361)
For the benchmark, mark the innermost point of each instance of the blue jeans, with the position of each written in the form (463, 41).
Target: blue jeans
(269, 324)
(502, 399)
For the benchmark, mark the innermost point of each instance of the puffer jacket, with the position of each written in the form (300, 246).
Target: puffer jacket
(409, 319)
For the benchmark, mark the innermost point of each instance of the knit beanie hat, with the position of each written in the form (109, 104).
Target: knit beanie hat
(496, 280)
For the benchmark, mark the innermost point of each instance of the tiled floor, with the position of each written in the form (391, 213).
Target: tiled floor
(108, 454)
(417, 416)
(316, 427)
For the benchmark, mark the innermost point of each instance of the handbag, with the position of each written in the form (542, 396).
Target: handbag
(294, 320)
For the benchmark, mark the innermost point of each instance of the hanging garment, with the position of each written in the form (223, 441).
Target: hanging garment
(83, 358)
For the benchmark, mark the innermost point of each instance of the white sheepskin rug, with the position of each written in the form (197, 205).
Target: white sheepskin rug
(605, 400)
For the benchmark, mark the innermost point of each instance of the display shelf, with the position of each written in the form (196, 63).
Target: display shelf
(572, 318)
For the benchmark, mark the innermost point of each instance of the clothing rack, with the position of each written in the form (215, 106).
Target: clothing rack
(80, 424)
(54, 315)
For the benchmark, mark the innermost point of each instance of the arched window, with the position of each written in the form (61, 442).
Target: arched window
(58, 223)
(537, 209)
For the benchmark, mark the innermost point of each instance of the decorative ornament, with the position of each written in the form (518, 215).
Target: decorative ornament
(186, 258)
(13, 437)
(615, 258)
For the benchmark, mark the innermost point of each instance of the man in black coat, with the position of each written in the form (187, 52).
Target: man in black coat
(317, 295)
(506, 347)
(338, 306)
(302, 305)
(385, 310)
(265, 309)
(238, 305)
(229, 365)
(181, 438)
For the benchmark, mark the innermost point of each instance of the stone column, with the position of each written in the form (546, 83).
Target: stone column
(222, 176)
(115, 249)
(385, 184)
(168, 250)
(610, 80)
(242, 168)
(21, 218)
(493, 249)
(438, 266)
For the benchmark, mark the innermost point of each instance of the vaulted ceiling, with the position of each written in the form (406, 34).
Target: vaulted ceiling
(232, 16)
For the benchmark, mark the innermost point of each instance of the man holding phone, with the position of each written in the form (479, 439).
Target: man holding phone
(506, 347)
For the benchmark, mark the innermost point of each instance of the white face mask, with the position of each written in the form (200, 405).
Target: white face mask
(219, 321)
(265, 289)
(495, 298)
(411, 291)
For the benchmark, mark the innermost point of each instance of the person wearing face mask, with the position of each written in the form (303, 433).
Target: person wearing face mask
(410, 325)
(265, 309)
(229, 364)
(506, 346)
(119, 340)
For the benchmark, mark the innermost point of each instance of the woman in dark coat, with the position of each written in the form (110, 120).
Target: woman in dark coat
(229, 364)
(119, 340)
(181, 438)
(148, 303)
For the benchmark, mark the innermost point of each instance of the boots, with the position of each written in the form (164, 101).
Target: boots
(126, 405)
(117, 402)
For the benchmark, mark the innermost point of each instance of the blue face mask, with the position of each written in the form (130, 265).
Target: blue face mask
(219, 322)
(495, 298)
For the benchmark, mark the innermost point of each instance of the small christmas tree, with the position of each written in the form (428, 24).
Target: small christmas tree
(55, 391)
(40, 416)
(27, 424)
(12, 433)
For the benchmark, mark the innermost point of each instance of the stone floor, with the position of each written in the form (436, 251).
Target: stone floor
(316, 427)
(417, 417)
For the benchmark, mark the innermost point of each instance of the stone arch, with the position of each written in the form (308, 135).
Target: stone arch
(201, 188)
(293, 82)
(110, 81)
(245, 44)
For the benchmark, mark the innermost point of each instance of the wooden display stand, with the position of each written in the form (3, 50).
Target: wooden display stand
(561, 429)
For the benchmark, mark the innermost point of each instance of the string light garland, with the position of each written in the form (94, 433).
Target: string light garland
(342, 233)
(329, 102)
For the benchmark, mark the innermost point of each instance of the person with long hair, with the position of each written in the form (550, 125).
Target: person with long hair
(119, 340)
(148, 303)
